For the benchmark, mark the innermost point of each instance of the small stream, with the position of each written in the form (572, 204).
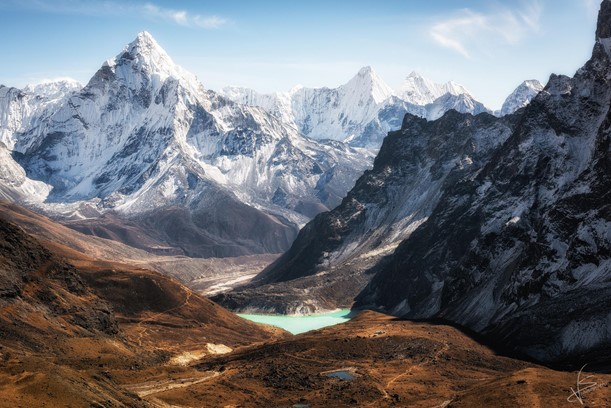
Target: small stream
(296, 324)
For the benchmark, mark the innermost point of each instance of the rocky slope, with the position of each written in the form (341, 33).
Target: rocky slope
(380, 361)
(68, 331)
(522, 251)
(144, 144)
(326, 265)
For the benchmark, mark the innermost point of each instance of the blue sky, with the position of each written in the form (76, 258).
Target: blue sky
(488, 46)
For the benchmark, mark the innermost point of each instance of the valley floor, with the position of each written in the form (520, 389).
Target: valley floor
(97, 333)
(391, 362)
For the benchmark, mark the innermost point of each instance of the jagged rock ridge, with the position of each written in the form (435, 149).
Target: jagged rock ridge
(522, 252)
(515, 244)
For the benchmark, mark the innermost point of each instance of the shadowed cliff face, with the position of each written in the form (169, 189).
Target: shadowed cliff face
(332, 258)
(522, 252)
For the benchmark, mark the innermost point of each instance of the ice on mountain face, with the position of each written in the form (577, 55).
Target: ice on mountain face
(143, 134)
(521, 96)
(421, 91)
(360, 112)
(15, 185)
(23, 109)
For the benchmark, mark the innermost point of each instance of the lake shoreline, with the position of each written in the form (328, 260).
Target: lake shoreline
(297, 324)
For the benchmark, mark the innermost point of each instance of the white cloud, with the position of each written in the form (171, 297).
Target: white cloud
(471, 29)
(183, 18)
(209, 22)
(114, 8)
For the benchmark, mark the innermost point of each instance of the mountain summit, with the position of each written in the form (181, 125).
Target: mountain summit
(421, 91)
(521, 96)
(144, 147)
(368, 84)
(362, 111)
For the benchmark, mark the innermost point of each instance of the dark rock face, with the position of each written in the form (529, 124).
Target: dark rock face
(24, 262)
(16, 261)
(522, 251)
(414, 166)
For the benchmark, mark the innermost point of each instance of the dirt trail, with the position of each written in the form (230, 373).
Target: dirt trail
(383, 389)
(141, 326)
(155, 387)
(435, 356)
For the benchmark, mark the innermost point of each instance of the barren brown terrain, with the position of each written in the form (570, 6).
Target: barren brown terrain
(76, 331)
(203, 275)
(67, 329)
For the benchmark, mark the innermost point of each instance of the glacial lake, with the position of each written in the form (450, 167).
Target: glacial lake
(296, 324)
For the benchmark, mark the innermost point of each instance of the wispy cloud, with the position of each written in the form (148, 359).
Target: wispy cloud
(470, 29)
(181, 17)
(184, 18)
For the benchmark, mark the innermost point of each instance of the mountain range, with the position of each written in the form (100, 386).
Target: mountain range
(472, 246)
(499, 224)
(362, 111)
(144, 153)
(143, 149)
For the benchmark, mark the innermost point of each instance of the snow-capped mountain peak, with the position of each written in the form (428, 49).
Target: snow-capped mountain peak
(143, 61)
(419, 90)
(149, 52)
(521, 96)
(367, 84)
(53, 89)
(453, 88)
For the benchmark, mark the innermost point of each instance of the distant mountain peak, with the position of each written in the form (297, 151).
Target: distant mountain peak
(366, 70)
(533, 84)
(419, 90)
(53, 88)
(145, 36)
(521, 96)
(146, 48)
(414, 75)
(367, 82)
(146, 59)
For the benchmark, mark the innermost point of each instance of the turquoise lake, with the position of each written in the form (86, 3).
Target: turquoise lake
(300, 323)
